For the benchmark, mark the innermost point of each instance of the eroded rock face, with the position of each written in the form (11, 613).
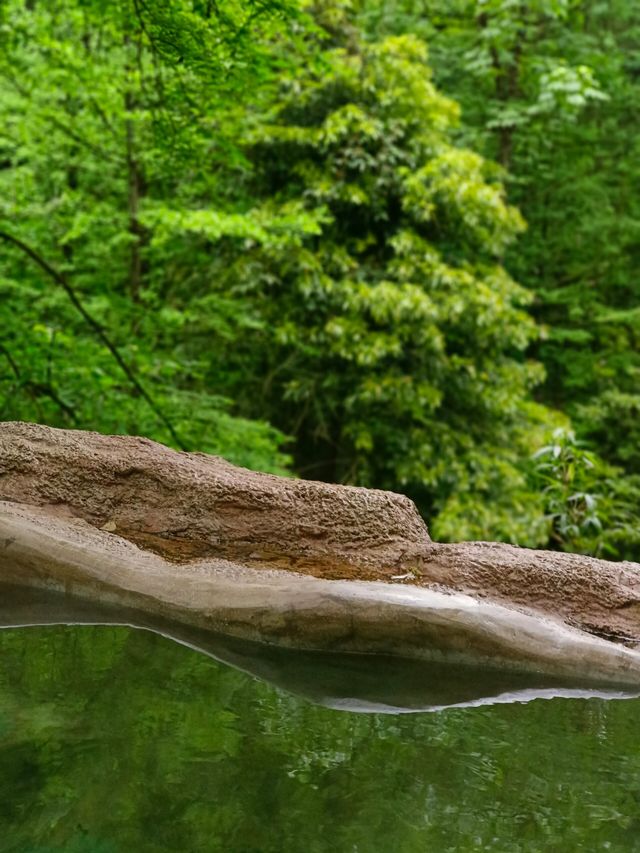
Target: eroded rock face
(188, 505)
(298, 611)
(598, 596)
(191, 538)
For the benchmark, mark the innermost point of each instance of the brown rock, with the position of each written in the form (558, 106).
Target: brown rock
(187, 505)
(193, 538)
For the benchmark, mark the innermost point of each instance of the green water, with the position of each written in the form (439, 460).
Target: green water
(115, 740)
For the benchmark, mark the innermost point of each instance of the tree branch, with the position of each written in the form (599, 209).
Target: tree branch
(97, 329)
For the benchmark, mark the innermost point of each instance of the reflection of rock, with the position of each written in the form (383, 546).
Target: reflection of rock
(193, 539)
(353, 682)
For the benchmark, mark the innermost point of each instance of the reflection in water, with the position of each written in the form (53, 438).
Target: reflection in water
(350, 682)
(114, 740)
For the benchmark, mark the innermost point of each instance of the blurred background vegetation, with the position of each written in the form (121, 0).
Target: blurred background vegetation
(384, 242)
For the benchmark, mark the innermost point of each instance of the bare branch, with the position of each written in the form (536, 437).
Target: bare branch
(98, 329)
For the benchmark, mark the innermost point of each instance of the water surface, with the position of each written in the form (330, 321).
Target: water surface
(115, 740)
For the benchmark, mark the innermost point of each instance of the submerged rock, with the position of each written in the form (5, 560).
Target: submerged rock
(364, 683)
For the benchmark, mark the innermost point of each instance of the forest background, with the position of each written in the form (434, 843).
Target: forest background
(391, 243)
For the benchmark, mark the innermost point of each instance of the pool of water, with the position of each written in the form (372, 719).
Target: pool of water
(115, 740)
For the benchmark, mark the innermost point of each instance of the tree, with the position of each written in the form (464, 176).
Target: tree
(550, 89)
(392, 343)
(105, 111)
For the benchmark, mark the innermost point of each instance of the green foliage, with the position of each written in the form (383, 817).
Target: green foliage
(550, 90)
(612, 421)
(587, 506)
(107, 111)
(393, 339)
(246, 224)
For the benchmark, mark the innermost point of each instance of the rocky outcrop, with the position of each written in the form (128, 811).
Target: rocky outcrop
(191, 505)
(190, 538)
